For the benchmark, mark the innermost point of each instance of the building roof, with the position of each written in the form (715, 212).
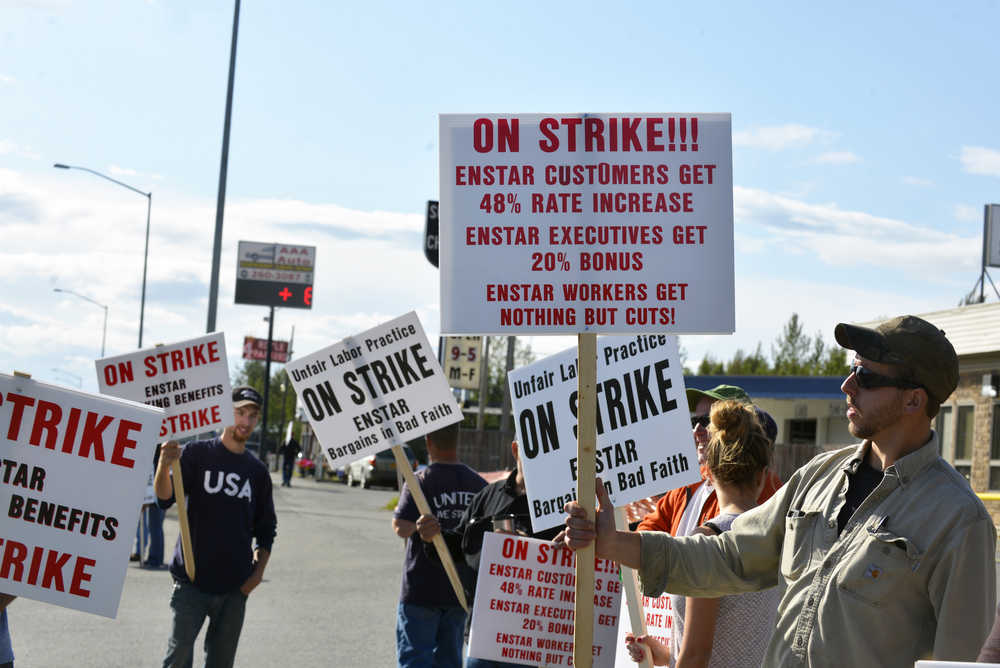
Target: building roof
(972, 329)
(775, 387)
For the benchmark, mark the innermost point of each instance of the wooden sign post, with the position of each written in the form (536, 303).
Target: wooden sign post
(633, 597)
(586, 450)
(187, 548)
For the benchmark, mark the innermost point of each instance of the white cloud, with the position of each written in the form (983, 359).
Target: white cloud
(7, 80)
(837, 158)
(980, 160)
(8, 147)
(917, 181)
(779, 137)
(121, 171)
(967, 213)
(833, 235)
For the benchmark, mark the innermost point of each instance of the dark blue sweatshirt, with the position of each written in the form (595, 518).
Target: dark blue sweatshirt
(228, 502)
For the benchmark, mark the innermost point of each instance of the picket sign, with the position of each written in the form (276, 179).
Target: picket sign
(586, 451)
(633, 597)
(403, 464)
(186, 547)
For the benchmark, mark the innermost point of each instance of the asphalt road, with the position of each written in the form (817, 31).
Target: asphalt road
(328, 599)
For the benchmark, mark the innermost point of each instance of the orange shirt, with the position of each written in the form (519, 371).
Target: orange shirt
(670, 508)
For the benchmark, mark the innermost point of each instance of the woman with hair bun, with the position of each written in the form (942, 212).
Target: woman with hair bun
(730, 631)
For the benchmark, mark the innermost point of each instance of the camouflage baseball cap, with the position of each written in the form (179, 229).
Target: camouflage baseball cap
(718, 393)
(908, 341)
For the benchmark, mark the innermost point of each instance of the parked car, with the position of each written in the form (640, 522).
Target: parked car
(377, 469)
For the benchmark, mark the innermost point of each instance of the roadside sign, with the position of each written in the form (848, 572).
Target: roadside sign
(188, 379)
(272, 274)
(76, 471)
(644, 444)
(992, 241)
(379, 388)
(256, 349)
(570, 223)
(431, 233)
(462, 361)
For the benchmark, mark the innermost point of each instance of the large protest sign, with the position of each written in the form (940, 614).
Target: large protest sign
(524, 608)
(644, 443)
(376, 389)
(188, 379)
(567, 223)
(74, 470)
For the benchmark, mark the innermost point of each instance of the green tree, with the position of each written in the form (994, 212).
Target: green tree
(792, 349)
(754, 364)
(280, 402)
(709, 367)
(793, 353)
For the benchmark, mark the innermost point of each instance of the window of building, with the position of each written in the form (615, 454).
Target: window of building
(962, 459)
(946, 433)
(802, 431)
(995, 449)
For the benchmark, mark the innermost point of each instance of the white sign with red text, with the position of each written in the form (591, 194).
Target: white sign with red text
(189, 380)
(644, 443)
(524, 608)
(74, 470)
(567, 223)
(379, 388)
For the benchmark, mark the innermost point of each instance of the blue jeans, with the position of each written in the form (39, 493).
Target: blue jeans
(153, 535)
(429, 636)
(287, 468)
(225, 614)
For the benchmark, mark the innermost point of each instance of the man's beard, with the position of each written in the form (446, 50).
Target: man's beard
(876, 420)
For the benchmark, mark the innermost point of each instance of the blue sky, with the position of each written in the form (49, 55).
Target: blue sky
(865, 145)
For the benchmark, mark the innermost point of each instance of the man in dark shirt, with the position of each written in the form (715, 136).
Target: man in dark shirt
(505, 500)
(429, 620)
(229, 503)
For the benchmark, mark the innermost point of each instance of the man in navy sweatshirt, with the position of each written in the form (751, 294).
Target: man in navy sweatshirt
(229, 503)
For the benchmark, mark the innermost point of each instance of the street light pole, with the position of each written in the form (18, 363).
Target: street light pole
(104, 336)
(145, 255)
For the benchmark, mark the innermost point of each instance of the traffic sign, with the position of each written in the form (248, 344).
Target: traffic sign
(271, 274)
(431, 233)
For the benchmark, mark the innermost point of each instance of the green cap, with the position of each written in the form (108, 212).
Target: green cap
(910, 342)
(719, 393)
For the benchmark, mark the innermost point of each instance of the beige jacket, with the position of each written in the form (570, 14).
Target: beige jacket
(911, 576)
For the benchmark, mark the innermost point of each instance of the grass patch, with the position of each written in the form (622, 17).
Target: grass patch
(392, 503)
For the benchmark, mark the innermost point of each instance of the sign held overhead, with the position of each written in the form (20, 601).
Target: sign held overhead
(379, 388)
(607, 223)
(188, 379)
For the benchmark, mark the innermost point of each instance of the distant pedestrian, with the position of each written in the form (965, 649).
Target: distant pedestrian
(430, 622)
(6, 649)
(289, 452)
(149, 531)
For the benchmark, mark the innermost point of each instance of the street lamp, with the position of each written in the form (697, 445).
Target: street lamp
(104, 336)
(145, 255)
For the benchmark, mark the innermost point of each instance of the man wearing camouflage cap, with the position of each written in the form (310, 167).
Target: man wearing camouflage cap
(885, 554)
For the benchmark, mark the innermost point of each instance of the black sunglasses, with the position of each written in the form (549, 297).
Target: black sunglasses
(700, 420)
(868, 379)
